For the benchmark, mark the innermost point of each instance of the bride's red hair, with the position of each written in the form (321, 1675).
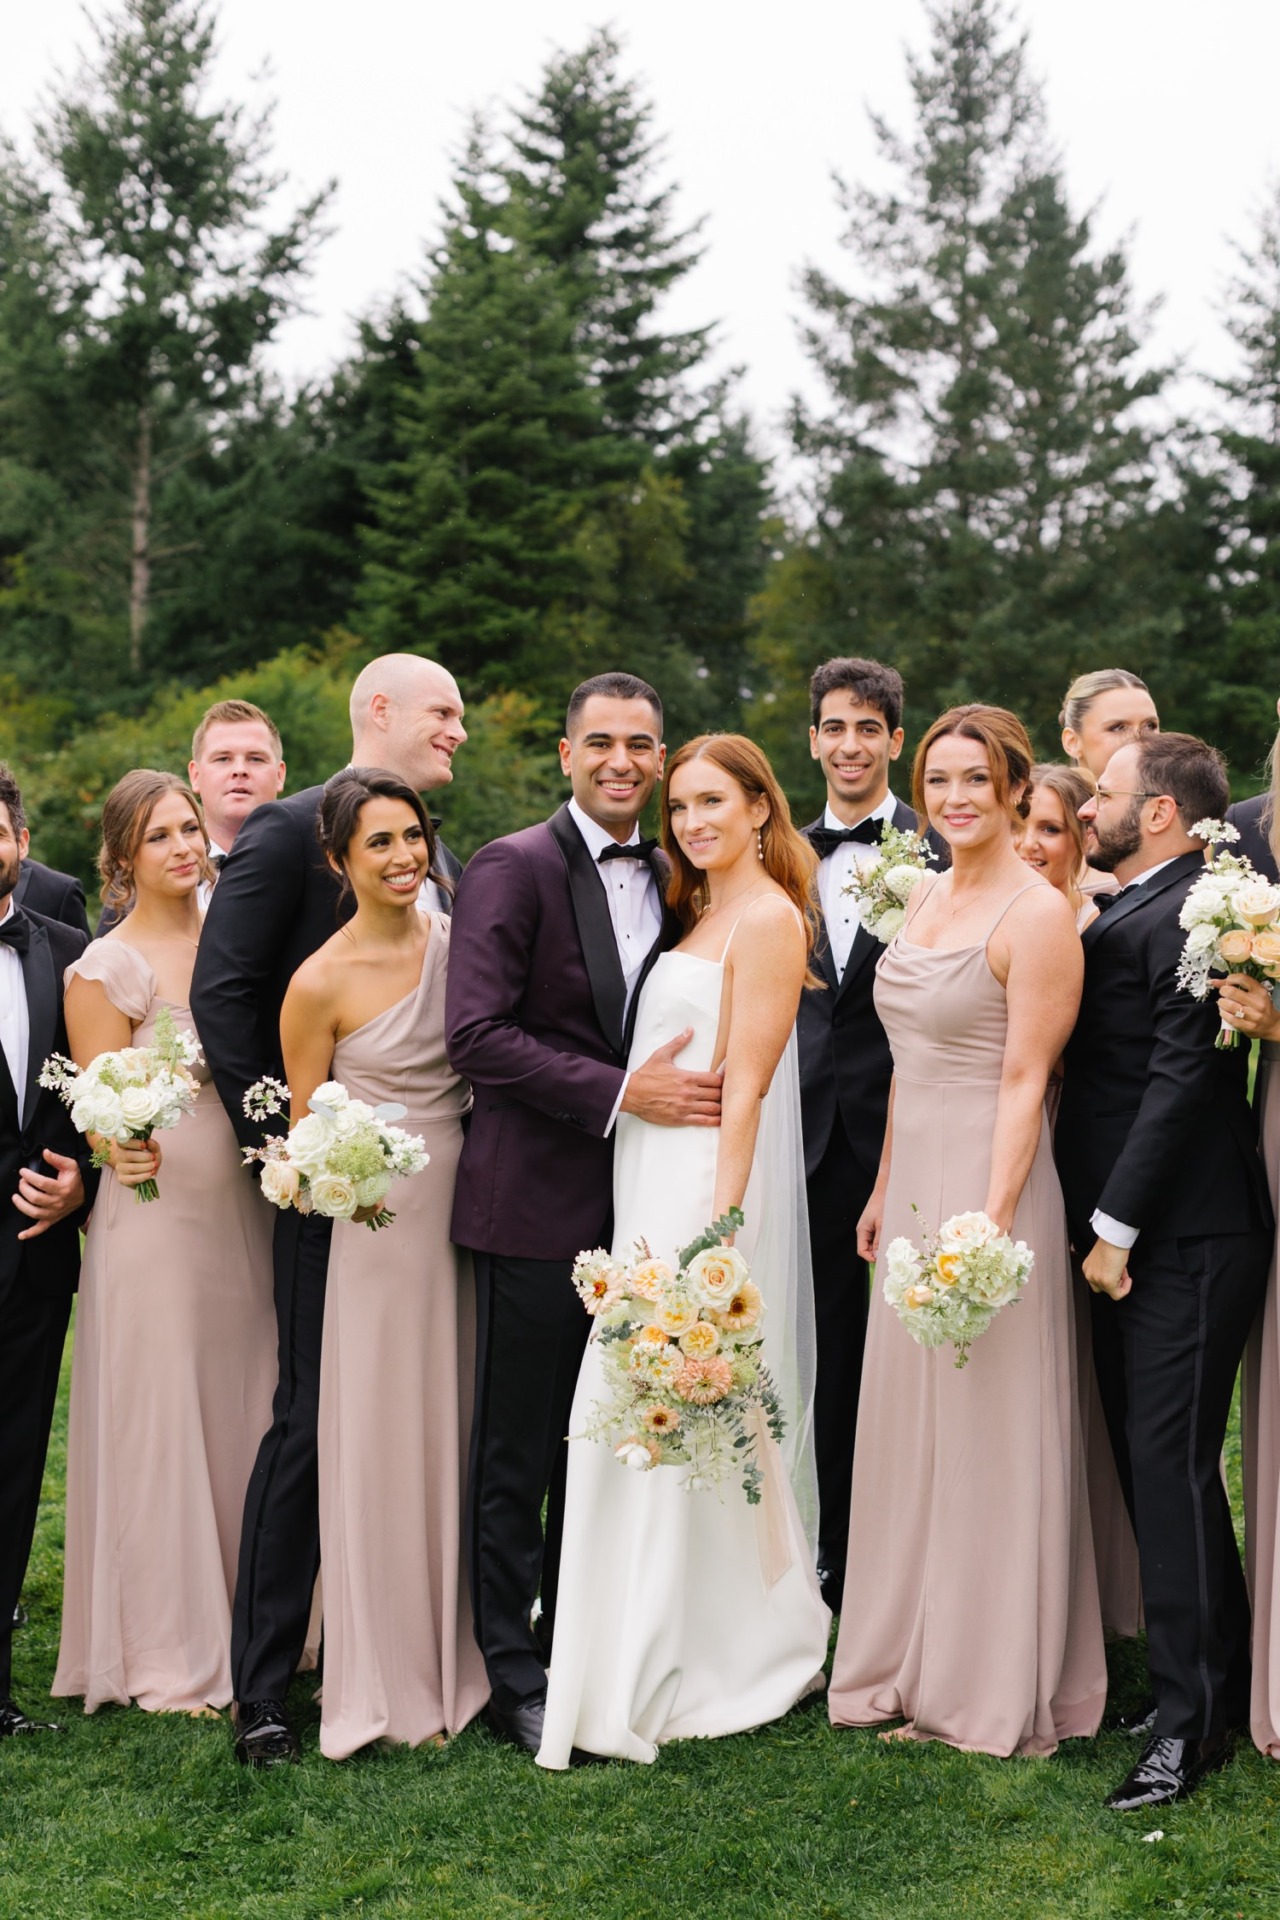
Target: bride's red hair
(788, 857)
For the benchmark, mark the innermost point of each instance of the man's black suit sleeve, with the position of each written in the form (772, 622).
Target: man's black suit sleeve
(252, 912)
(1184, 1068)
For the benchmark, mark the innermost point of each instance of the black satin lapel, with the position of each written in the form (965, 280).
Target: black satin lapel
(8, 1098)
(595, 928)
(865, 948)
(1141, 897)
(42, 1011)
(24, 876)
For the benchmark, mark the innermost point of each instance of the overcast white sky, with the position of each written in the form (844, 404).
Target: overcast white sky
(1166, 113)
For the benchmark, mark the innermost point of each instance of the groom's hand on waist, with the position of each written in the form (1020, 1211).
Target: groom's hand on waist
(670, 1096)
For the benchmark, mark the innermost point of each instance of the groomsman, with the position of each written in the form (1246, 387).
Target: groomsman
(237, 762)
(554, 929)
(845, 1064)
(53, 895)
(276, 901)
(1167, 1201)
(45, 1175)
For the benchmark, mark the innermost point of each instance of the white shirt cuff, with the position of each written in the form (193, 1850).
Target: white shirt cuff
(617, 1105)
(1113, 1231)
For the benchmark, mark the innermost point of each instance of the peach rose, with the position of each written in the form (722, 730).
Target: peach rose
(1236, 947)
(1266, 949)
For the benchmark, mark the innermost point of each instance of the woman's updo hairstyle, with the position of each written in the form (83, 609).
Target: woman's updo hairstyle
(1008, 748)
(1088, 687)
(126, 815)
(344, 800)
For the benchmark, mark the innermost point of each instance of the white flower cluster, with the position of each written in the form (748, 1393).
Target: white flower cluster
(340, 1159)
(955, 1283)
(882, 887)
(131, 1092)
(1231, 918)
(681, 1348)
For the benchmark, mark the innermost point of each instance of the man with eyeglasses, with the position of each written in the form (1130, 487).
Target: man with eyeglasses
(1167, 1204)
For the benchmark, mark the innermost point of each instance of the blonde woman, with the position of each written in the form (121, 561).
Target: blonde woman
(1102, 711)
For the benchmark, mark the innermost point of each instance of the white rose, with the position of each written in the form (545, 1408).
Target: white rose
(633, 1455)
(1202, 939)
(902, 882)
(100, 1113)
(964, 1230)
(309, 1144)
(334, 1195)
(889, 923)
(281, 1183)
(330, 1093)
(137, 1108)
(1257, 904)
(715, 1274)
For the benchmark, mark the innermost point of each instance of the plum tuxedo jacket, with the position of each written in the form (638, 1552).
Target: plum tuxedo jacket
(536, 1020)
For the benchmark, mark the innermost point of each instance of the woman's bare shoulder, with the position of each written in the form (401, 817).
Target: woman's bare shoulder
(318, 979)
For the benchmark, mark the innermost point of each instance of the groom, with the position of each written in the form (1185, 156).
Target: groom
(1167, 1202)
(554, 929)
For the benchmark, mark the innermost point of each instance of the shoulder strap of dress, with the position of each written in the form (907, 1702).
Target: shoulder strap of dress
(1005, 908)
(919, 894)
(724, 952)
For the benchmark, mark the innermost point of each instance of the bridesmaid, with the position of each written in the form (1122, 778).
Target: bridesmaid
(398, 1356)
(1051, 841)
(1247, 1005)
(970, 1604)
(1102, 711)
(174, 1358)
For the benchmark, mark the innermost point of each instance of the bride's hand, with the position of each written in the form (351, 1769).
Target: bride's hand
(869, 1227)
(132, 1161)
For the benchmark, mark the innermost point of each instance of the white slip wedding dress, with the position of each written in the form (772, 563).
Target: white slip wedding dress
(684, 1615)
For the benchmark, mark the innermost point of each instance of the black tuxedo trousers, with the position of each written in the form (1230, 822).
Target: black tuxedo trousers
(1166, 1357)
(33, 1327)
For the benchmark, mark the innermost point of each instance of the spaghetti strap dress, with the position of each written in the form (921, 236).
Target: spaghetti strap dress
(971, 1600)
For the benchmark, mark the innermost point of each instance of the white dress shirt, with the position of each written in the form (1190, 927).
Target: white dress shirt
(205, 890)
(835, 873)
(1114, 1231)
(634, 909)
(15, 1023)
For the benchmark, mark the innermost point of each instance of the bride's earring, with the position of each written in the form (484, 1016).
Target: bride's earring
(760, 841)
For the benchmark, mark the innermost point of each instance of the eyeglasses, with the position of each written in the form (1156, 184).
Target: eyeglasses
(1105, 793)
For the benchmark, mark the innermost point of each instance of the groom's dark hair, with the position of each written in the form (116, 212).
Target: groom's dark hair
(612, 686)
(868, 681)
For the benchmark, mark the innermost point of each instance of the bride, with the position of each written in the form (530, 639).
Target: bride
(681, 1613)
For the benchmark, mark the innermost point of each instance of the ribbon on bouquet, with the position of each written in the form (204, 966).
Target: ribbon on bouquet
(773, 1523)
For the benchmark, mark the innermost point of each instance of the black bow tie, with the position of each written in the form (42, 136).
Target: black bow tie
(636, 850)
(217, 861)
(15, 931)
(825, 840)
(1105, 901)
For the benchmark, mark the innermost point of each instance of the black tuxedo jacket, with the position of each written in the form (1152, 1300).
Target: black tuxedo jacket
(845, 1062)
(52, 1260)
(535, 1021)
(1251, 819)
(54, 895)
(276, 901)
(1154, 1126)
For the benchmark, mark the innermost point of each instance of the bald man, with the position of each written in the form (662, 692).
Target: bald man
(276, 901)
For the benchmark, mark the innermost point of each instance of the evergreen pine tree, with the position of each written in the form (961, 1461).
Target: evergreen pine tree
(982, 452)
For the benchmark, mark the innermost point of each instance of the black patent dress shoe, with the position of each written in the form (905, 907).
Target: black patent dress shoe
(521, 1726)
(1168, 1770)
(14, 1721)
(265, 1735)
(19, 1615)
(831, 1587)
(1140, 1721)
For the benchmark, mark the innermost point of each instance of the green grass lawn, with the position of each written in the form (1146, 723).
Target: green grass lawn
(129, 1814)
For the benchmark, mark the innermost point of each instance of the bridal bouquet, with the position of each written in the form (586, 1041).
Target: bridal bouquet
(130, 1093)
(683, 1360)
(882, 888)
(1231, 918)
(342, 1156)
(954, 1284)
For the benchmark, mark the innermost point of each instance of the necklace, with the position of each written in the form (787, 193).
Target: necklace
(744, 893)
